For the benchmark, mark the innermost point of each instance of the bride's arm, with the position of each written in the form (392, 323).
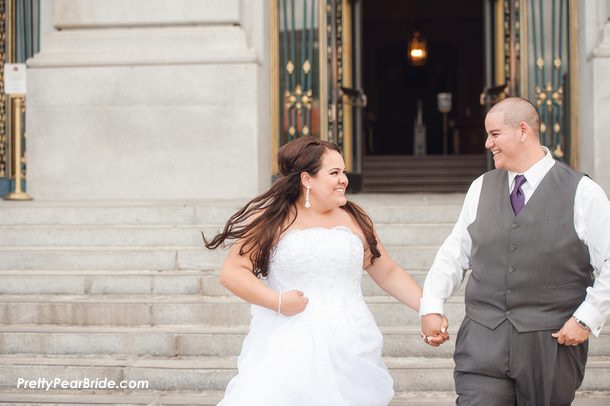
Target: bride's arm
(392, 278)
(237, 276)
(398, 283)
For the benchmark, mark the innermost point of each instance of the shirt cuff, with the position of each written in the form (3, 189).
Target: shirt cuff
(589, 315)
(429, 305)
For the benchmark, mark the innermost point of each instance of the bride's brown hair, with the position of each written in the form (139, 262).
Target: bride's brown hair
(274, 206)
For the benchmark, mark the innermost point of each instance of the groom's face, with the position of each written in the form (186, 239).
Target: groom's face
(503, 141)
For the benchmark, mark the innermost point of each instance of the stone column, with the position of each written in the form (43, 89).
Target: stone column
(149, 99)
(594, 63)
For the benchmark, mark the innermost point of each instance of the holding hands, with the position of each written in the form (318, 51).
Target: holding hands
(434, 329)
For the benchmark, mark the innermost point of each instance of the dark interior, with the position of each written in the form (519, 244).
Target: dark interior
(455, 64)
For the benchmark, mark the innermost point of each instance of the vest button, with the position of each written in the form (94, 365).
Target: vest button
(514, 226)
(510, 269)
(508, 313)
(512, 247)
(508, 292)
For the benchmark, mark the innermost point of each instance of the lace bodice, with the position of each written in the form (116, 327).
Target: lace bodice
(326, 265)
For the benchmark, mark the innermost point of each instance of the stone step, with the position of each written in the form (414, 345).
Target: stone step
(445, 185)
(204, 283)
(448, 399)
(420, 174)
(413, 234)
(67, 397)
(110, 258)
(143, 310)
(161, 374)
(64, 397)
(105, 235)
(159, 258)
(370, 288)
(413, 208)
(433, 161)
(172, 341)
(189, 340)
(405, 341)
(214, 373)
(181, 235)
(430, 374)
(117, 212)
(159, 341)
(418, 171)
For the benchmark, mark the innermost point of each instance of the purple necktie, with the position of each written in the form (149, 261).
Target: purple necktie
(517, 199)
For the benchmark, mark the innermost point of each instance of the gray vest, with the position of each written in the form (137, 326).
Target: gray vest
(531, 269)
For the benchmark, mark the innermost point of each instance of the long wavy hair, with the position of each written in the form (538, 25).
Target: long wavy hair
(269, 212)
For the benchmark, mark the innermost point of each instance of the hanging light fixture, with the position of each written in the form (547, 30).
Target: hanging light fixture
(418, 50)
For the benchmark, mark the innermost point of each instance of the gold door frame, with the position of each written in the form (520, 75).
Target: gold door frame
(574, 85)
(501, 9)
(344, 45)
(21, 40)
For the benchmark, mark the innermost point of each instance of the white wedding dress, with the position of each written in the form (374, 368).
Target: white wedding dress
(330, 354)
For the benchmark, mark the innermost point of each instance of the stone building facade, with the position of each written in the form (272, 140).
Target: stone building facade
(133, 99)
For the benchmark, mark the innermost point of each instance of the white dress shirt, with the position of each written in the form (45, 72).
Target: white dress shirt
(591, 223)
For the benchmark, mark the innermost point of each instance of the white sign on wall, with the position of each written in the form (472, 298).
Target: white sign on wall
(14, 78)
(444, 102)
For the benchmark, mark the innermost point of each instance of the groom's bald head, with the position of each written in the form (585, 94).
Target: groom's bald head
(517, 110)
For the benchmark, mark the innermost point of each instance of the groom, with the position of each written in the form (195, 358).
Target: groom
(533, 231)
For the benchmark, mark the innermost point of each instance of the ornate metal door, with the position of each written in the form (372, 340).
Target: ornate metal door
(19, 28)
(532, 52)
(311, 74)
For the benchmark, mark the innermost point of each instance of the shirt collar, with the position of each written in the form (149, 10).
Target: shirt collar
(536, 173)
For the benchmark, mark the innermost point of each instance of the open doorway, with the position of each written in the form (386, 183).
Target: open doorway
(454, 36)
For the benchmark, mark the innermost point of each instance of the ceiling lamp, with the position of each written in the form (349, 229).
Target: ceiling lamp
(418, 52)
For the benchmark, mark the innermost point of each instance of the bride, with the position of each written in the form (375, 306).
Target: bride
(312, 340)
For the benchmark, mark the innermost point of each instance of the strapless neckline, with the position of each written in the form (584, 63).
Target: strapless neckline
(309, 229)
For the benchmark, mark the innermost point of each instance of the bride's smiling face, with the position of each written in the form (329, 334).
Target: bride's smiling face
(329, 184)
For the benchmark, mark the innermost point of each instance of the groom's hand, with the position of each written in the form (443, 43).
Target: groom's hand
(434, 329)
(571, 333)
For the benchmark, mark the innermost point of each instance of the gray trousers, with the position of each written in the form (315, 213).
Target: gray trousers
(503, 367)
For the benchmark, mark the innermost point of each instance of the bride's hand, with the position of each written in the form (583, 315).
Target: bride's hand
(434, 329)
(293, 302)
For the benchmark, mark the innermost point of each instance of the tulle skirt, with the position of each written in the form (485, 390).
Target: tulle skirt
(312, 359)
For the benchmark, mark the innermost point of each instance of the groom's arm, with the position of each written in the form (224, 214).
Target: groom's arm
(592, 225)
(450, 265)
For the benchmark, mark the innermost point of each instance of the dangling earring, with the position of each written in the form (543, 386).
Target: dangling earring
(307, 204)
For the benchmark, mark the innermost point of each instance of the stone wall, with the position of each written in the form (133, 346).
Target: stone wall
(142, 99)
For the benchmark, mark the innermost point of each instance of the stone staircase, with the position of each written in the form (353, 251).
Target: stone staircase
(420, 174)
(125, 291)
